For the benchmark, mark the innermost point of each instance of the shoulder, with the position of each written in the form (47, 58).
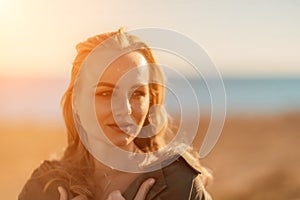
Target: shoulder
(46, 166)
(187, 164)
(188, 170)
(193, 162)
(43, 182)
(180, 167)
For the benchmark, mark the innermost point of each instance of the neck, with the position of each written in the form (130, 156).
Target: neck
(105, 169)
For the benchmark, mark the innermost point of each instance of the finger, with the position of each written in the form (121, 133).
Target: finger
(115, 195)
(63, 193)
(144, 189)
(80, 197)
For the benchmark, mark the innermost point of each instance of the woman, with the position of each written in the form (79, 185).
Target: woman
(128, 100)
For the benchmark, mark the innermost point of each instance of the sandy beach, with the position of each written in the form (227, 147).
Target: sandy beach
(256, 157)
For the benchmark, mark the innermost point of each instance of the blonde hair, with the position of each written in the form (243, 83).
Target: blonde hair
(77, 164)
(76, 155)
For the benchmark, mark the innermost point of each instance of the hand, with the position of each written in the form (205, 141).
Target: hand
(64, 195)
(114, 195)
(141, 194)
(144, 189)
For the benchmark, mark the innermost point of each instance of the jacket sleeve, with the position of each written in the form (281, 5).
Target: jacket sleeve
(42, 184)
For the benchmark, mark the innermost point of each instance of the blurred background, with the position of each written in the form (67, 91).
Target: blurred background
(255, 45)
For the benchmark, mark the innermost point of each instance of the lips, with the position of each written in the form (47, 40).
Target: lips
(125, 127)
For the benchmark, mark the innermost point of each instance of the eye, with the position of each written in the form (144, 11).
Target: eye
(105, 93)
(138, 94)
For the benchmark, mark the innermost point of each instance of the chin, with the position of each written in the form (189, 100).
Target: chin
(119, 138)
(122, 141)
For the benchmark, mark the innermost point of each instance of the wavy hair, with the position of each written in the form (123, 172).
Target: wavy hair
(76, 155)
(77, 164)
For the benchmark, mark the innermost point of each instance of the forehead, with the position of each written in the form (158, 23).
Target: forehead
(130, 67)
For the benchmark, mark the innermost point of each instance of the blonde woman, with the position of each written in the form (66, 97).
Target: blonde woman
(135, 90)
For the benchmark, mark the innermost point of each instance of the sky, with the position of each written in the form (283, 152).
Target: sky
(243, 38)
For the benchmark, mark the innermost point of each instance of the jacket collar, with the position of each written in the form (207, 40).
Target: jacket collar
(159, 185)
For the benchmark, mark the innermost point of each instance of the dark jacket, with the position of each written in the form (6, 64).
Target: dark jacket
(177, 181)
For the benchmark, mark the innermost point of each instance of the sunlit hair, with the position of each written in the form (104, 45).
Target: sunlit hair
(156, 91)
(77, 165)
(75, 153)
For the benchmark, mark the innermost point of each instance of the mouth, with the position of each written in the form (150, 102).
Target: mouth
(124, 128)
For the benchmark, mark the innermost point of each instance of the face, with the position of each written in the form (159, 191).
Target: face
(122, 99)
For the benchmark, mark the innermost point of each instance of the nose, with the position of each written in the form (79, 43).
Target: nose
(122, 106)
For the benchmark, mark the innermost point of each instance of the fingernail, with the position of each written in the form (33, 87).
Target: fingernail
(152, 181)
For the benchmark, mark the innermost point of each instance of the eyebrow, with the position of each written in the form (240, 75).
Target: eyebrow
(106, 84)
(139, 85)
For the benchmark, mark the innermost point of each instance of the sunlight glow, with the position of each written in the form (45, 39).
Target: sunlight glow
(39, 37)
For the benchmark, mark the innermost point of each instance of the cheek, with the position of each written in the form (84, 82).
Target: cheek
(140, 109)
(102, 109)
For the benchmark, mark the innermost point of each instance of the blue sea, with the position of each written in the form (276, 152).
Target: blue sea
(40, 98)
(251, 95)
(263, 95)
